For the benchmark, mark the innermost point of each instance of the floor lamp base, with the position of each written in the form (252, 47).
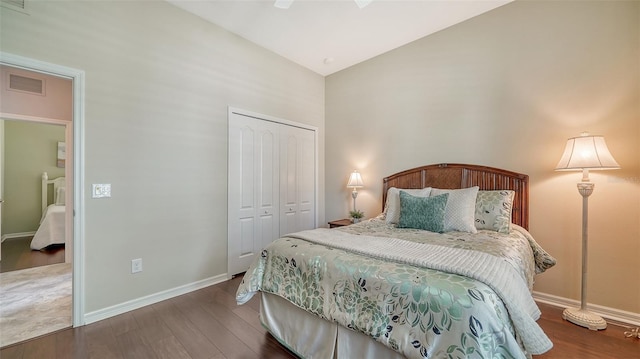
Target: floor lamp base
(584, 318)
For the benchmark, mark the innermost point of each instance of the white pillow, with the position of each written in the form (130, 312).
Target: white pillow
(392, 206)
(60, 197)
(459, 215)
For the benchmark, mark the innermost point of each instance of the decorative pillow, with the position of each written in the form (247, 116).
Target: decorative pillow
(422, 212)
(60, 197)
(392, 206)
(493, 210)
(461, 208)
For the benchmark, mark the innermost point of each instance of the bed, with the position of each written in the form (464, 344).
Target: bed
(446, 271)
(51, 230)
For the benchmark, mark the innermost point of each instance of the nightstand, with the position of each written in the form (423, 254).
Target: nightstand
(339, 223)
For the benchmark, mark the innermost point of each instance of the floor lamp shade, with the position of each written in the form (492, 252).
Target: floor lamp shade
(585, 153)
(355, 182)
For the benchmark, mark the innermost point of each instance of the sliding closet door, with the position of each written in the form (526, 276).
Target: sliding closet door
(297, 179)
(253, 189)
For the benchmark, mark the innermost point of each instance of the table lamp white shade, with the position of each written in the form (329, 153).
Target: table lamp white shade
(355, 182)
(585, 153)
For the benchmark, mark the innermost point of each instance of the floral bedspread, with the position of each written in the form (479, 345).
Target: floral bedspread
(417, 311)
(525, 255)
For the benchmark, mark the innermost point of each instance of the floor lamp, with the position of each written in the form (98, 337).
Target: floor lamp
(585, 153)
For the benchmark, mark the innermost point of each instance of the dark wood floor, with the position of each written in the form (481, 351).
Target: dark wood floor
(17, 254)
(572, 341)
(208, 324)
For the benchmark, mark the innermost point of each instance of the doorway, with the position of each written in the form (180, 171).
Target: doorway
(74, 172)
(33, 224)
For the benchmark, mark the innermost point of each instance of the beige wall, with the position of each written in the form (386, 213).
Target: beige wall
(157, 91)
(29, 149)
(506, 89)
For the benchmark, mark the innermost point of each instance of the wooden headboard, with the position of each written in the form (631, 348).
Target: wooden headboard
(454, 175)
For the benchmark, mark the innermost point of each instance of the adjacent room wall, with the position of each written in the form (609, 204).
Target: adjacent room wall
(157, 92)
(506, 89)
(29, 149)
(53, 103)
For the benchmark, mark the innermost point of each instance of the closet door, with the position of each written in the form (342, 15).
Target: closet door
(297, 179)
(253, 189)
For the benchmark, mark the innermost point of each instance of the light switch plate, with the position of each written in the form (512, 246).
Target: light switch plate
(101, 190)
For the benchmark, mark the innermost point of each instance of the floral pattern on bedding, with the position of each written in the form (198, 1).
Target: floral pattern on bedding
(411, 310)
(510, 246)
(416, 311)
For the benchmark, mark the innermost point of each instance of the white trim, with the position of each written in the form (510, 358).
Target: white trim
(263, 117)
(151, 299)
(605, 312)
(76, 170)
(15, 116)
(17, 235)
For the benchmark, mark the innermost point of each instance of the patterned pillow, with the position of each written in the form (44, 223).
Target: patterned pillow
(493, 210)
(422, 212)
(461, 208)
(392, 206)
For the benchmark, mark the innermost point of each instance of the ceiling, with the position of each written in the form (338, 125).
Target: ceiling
(326, 36)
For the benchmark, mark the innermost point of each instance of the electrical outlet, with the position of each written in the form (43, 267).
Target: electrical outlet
(136, 265)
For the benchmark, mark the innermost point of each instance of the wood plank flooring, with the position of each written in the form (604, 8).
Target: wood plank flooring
(17, 254)
(208, 324)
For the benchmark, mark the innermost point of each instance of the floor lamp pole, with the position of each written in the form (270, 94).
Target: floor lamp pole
(581, 316)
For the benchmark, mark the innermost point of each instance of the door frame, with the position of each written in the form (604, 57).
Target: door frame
(73, 173)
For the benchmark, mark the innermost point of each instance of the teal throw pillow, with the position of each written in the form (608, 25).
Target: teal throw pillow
(422, 212)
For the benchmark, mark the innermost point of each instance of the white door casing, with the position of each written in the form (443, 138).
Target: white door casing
(74, 171)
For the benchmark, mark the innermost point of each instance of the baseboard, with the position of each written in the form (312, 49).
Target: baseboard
(616, 315)
(17, 235)
(151, 299)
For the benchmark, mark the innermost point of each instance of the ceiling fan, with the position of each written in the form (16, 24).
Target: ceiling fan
(285, 4)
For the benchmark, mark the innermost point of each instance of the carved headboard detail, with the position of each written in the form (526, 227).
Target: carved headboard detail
(454, 176)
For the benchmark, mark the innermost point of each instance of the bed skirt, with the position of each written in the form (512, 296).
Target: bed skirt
(311, 337)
